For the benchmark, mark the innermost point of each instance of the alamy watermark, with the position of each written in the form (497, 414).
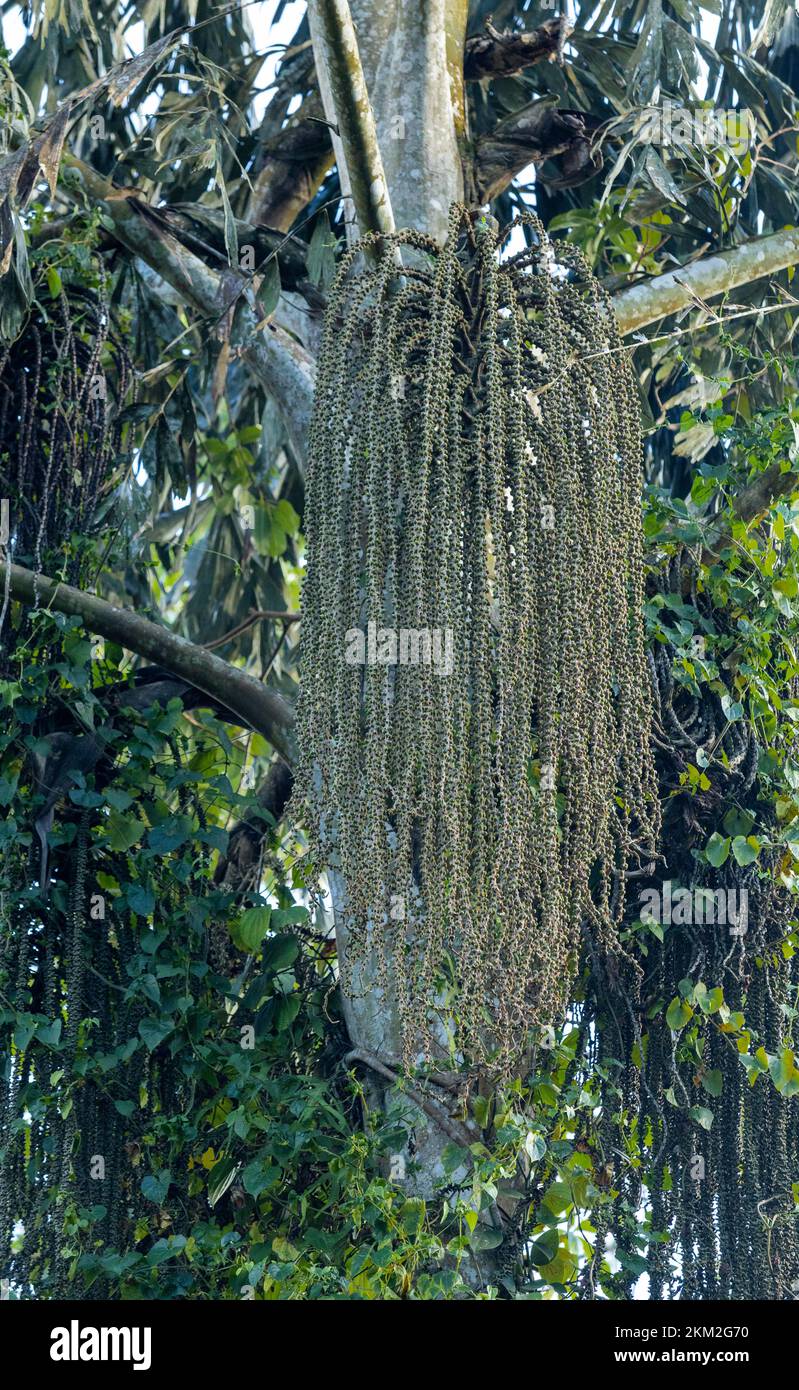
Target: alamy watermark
(404, 646)
(724, 907)
(76, 1343)
(709, 127)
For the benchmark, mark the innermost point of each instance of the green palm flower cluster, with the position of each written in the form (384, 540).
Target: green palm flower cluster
(61, 386)
(474, 716)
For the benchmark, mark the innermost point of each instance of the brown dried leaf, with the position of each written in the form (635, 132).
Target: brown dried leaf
(51, 144)
(122, 80)
(220, 373)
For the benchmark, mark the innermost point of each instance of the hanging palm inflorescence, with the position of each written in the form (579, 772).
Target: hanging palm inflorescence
(76, 1068)
(59, 431)
(693, 1052)
(475, 705)
(60, 383)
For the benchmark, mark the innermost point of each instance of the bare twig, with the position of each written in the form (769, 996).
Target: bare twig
(274, 615)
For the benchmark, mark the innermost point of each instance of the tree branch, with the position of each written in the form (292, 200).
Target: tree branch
(412, 58)
(346, 103)
(763, 492)
(757, 498)
(295, 147)
(261, 709)
(296, 159)
(244, 844)
(454, 1129)
(727, 270)
(286, 371)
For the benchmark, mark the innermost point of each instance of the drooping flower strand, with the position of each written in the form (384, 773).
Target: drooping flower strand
(474, 716)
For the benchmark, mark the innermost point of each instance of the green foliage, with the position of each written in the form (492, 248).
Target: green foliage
(248, 1162)
(260, 1165)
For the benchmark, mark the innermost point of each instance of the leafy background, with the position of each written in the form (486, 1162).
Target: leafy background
(265, 1170)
